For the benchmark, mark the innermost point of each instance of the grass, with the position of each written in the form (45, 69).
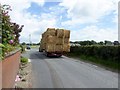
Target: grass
(34, 46)
(109, 64)
(24, 60)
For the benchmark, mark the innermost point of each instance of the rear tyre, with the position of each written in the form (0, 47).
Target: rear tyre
(39, 50)
(47, 54)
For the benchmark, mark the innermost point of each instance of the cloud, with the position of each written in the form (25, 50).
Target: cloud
(87, 11)
(69, 15)
(94, 33)
(32, 23)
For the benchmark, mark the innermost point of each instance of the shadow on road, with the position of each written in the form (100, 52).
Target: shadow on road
(41, 56)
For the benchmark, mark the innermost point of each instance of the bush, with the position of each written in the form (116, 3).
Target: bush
(101, 52)
(10, 31)
(24, 60)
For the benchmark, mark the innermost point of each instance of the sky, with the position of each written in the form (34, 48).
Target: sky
(86, 19)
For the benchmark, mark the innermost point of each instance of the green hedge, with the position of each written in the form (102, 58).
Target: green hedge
(101, 52)
(108, 56)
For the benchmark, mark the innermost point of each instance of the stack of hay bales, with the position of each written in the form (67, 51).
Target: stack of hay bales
(49, 40)
(59, 39)
(66, 45)
(55, 40)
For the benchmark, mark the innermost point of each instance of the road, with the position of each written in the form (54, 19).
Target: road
(67, 72)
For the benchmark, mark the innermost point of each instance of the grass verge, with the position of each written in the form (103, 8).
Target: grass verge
(24, 60)
(34, 46)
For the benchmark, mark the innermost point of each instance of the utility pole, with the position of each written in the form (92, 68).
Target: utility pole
(119, 21)
(30, 39)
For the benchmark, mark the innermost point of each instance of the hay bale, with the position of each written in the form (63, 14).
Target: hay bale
(42, 46)
(66, 48)
(42, 43)
(43, 40)
(66, 41)
(55, 40)
(51, 31)
(50, 39)
(50, 47)
(42, 35)
(59, 48)
(67, 33)
(59, 41)
(60, 33)
(45, 35)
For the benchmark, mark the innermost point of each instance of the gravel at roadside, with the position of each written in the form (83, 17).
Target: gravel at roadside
(24, 77)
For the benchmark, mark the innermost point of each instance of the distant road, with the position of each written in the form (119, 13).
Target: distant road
(66, 72)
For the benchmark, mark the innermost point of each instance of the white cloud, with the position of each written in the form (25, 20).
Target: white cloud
(78, 11)
(32, 23)
(82, 12)
(94, 33)
(87, 11)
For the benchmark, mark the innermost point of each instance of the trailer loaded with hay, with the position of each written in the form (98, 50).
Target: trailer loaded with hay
(55, 41)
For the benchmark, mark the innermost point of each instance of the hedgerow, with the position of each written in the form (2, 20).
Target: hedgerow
(101, 52)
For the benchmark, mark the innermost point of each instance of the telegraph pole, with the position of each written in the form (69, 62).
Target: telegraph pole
(119, 21)
(30, 38)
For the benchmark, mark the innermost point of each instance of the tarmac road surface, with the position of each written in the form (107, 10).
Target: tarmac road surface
(67, 72)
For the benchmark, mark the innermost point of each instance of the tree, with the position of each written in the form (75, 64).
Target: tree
(93, 42)
(23, 43)
(101, 43)
(38, 43)
(16, 30)
(107, 42)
